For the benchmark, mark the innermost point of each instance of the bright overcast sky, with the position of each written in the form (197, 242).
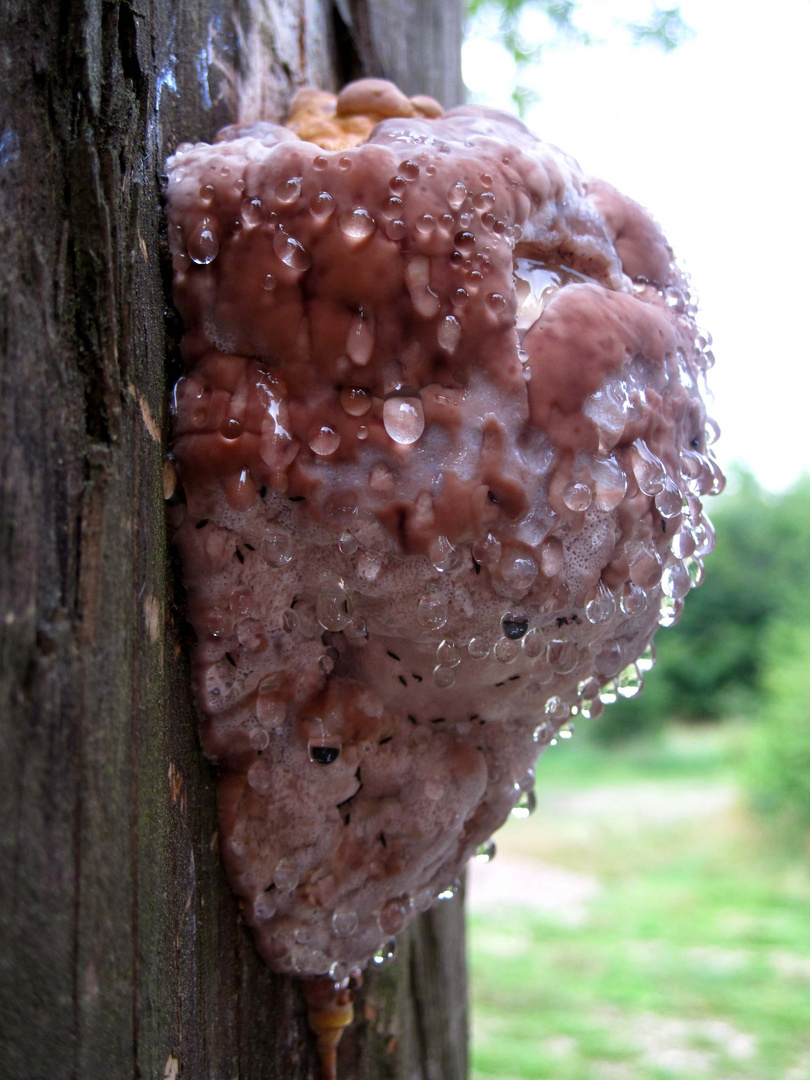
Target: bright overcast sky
(713, 139)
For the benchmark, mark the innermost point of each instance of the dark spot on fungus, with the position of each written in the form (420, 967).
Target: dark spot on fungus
(201, 524)
(515, 626)
(230, 659)
(387, 739)
(324, 755)
(239, 555)
(402, 680)
(415, 676)
(393, 655)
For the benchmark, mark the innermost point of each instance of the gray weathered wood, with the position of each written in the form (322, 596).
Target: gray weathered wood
(122, 952)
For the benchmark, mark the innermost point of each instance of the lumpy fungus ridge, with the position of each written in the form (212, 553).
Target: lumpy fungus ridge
(443, 451)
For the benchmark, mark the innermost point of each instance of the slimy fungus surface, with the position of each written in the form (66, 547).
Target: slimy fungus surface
(443, 448)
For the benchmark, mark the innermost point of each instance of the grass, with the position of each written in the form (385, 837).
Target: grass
(691, 960)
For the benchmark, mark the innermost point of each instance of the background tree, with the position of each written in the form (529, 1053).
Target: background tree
(123, 953)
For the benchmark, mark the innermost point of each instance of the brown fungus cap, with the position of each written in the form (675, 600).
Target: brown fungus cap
(443, 449)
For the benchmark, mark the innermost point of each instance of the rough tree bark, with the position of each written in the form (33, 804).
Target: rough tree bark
(123, 953)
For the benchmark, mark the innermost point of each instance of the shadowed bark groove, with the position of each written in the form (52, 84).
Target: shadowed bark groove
(122, 950)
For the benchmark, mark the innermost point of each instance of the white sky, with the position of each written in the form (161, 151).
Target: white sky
(709, 137)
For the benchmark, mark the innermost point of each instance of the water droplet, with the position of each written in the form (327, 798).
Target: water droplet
(358, 224)
(271, 711)
(534, 645)
(646, 662)
(426, 224)
(670, 611)
(203, 244)
(577, 496)
(286, 876)
(395, 230)
(485, 852)
(250, 635)
(448, 333)
(393, 207)
(478, 648)
(608, 662)
(705, 536)
(456, 195)
(629, 682)
(518, 571)
(392, 917)
(591, 709)
(525, 806)
(443, 677)
(464, 241)
(603, 606)
(675, 581)
(448, 654)
(344, 923)
(276, 548)
(324, 440)
(552, 556)
(334, 606)
(362, 432)
(369, 564)
(355, 401)
(712, 431)
(251, 212)
(487, 552)
(322, 206)
(321, 754)
(432, 610)
(669, 501)
(409, 169)
(291, 252)
(345, 163)
(288, 191)
(506, 651)
(514, 625)
(320, 162)
(609, 483)
(269, 283)
(219, 623)
(562, 656)
(260, 775)
(360, 340)
(264, 907)
(634, 600)
(403, 419)
(258, 738)
(347, 543)
(496, 302)
(608, 695)
(649, 471)
(386, 952)
(556, 708)
(443, 555)
(696, 570)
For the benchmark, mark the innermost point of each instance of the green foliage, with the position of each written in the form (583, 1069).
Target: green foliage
(713, 663)
(690, 955)
(779, 765)
(567, 22)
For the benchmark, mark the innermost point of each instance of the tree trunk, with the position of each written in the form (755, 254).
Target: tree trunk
(123, 953)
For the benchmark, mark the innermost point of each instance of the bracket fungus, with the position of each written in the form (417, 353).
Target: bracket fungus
(443, 447)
